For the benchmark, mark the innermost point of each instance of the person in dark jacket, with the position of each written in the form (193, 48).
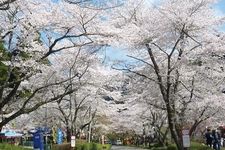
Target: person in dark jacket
(216, 139)
(209, 138)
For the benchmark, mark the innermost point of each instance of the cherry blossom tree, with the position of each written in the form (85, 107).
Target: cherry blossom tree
(31, 33)
(168, 39)
(77, 110)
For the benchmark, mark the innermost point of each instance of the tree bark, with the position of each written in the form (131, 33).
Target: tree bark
(68, 134)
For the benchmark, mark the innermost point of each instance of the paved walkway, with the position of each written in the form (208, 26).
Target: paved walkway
(125, 148)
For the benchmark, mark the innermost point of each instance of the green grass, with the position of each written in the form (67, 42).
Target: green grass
(11, 147)
(194, 146)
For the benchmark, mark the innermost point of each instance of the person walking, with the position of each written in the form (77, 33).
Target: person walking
(209, 138)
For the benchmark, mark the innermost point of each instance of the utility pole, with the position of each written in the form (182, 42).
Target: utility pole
(45, 128)
(89, 130)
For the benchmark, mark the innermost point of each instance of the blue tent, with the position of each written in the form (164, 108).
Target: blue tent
(10, 133)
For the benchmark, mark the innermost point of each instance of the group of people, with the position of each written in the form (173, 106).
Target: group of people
(213, 139)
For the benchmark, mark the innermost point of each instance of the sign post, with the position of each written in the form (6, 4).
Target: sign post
(59, 136)
(38, 140)
(73, 141)
(186, 138)
(103, 139)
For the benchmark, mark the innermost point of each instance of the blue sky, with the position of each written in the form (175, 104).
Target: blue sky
(221, 5)
(55, 1)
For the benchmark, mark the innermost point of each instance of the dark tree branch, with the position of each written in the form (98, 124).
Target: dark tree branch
(78, 107)
(5, 4)
(24, 110)
(200, 119)
(187, 88)
(157, 71)
(9, 97)
(192, 38)
(5, 101)
(135, 72)
(160, 48)
(139, 59)
(66, 36)
(77, 1)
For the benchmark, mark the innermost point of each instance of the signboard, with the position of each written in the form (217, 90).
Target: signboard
(38, 140)
(73, 141)
(59, 136)
(186, 138)
(103, 139)
(185, 132)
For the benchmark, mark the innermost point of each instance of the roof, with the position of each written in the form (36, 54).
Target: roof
(10, 133)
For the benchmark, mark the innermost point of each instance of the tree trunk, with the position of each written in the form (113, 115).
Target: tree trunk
(171, 121)
(68, 134)
(1, 128)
